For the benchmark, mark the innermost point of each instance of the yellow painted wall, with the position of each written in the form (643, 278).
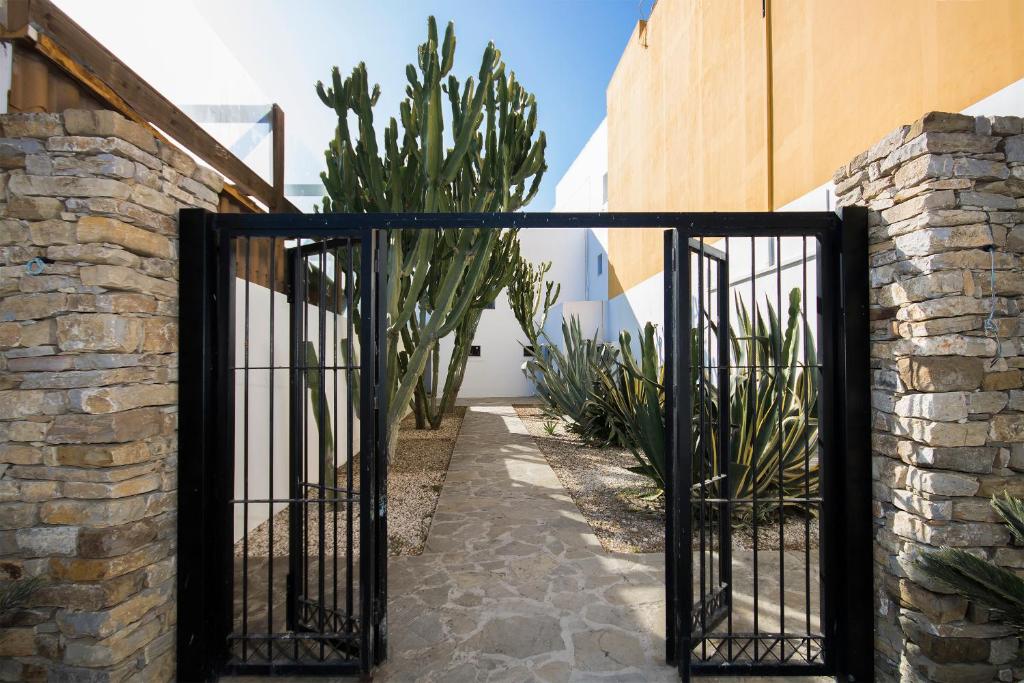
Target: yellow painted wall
(687, 113)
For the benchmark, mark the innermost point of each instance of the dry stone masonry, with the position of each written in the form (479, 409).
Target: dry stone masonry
(946, 217)
(88, 394)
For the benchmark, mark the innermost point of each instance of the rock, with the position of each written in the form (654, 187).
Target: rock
(942, 483)
(103, 123)
(943, 122)
(981, 169)
(131, 425)
(941, 433)
(93, 253)
(111, 231)
(68, 186)
(940, 373)
(99, 332)
(947, 407)
(115, 399)
(122, 278)
(152, 199)
(32, 125)
(1007, 428)
(47, 541)
(34, 208)
(104, 455)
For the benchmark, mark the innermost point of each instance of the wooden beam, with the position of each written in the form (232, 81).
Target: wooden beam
(74, 50)
(277, 126)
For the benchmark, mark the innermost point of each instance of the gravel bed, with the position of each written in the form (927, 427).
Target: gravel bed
(415, 479)
(617, 503)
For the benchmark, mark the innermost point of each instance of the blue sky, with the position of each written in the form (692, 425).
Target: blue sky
(563, 50)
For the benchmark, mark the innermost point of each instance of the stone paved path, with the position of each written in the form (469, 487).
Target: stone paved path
(513, 585)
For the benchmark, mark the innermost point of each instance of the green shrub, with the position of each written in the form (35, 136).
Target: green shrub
(979, 580)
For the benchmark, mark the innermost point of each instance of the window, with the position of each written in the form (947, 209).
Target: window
(489, 307)
(474, 351)
(772, 246)
(528, 351)
(600, 264)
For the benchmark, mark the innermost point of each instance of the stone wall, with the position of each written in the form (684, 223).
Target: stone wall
(88, 363)
(944, 197)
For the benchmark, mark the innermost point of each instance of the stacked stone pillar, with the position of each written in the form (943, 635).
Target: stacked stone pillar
(946, 219)
(88, 394)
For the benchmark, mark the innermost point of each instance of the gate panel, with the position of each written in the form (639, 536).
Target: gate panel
(297, 511)
(757, 549)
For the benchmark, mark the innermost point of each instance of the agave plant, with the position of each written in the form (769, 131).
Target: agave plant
(979, 580)
(632, 399)
(772, 407)
(565, 380)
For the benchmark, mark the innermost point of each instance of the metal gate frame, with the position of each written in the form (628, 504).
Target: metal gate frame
(846, 542)
(204, 518)
(206, 439)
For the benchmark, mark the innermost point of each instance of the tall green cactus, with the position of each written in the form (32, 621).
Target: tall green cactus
(438, 281)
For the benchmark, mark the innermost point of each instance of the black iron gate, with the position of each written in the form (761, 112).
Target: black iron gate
(282, 556)
(768, 555)
(282, 539)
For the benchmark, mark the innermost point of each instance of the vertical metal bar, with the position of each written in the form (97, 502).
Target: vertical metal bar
(382, 453)
(671, 343)
(350, 429)
(245, 459)
(197, 649)
(323, 428)
(754, 455)
(780, 404)
(366, 437)
(828, 547)
(296, 429)
(305, 403)
(270, 459)
(724, 446)
(335, 350)
(856, 573)
(223, 472)
(702, 390)
(683, 471)
(809, 373)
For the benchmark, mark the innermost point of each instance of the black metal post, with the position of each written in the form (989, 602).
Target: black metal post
(196, 651)
(856, 658)
(682, 474)
(296, 432)
(671, 348)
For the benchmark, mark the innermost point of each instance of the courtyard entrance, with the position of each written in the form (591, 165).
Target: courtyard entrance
(283, 495)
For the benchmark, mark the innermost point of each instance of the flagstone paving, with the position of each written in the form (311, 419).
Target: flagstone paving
(513, 585)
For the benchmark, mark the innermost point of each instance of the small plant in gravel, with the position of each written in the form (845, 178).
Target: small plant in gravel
(550, 426)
